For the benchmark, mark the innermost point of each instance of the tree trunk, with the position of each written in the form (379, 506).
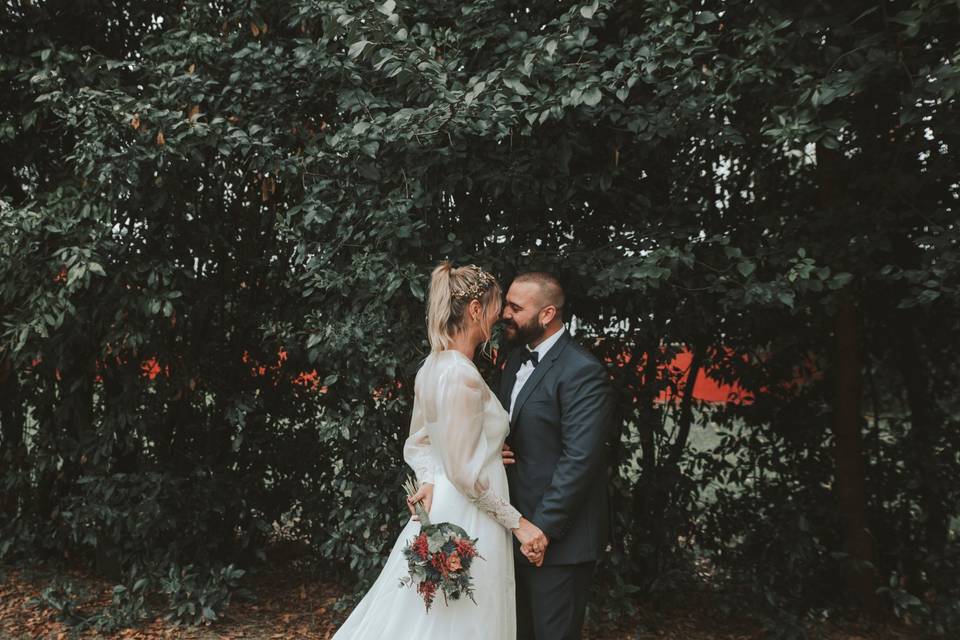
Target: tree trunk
(645, 489)
(121, 412)
(925, 433)
(924, 436)
(850, 468)
(12, 451)
(847, 423)
(650, 416)
(686, 404)
(666, 483)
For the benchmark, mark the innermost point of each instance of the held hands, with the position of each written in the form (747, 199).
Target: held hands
(533, 541)
(532, 555)
(423, 495)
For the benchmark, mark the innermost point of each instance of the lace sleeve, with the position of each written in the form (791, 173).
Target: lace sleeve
(462, 450)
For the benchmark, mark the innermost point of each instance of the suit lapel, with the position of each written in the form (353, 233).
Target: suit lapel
(538, 373)
(508, 379)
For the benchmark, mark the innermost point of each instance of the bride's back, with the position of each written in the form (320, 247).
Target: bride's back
(461, 414)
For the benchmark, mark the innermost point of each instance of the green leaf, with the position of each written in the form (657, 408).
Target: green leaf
(357, 48)
(417, 290)
(517, 86)
(839, 280)
(592, 96)
(746, 268)
(705, 17)
(830, 142)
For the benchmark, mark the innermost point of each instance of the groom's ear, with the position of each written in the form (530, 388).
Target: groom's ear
(547, 314)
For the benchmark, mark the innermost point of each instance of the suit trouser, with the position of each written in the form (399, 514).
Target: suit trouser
(552, 600)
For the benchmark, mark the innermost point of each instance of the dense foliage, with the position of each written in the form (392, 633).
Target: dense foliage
(218, 219)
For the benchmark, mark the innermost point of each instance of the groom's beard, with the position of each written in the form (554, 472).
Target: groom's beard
(524, 334)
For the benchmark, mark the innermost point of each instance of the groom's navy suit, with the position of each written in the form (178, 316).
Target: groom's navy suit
(561, 431)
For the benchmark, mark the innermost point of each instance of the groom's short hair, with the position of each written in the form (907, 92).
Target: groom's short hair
(550, 287)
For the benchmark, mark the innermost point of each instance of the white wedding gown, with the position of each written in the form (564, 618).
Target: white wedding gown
(456, 436)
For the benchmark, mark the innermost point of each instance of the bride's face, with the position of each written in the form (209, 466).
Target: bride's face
(486, 316)
(491, 316)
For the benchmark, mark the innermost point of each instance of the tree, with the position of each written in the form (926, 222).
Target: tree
(246, 198)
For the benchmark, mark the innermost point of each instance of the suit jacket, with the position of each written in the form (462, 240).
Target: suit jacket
(562, 433)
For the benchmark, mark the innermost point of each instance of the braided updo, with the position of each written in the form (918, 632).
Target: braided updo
(451, 291)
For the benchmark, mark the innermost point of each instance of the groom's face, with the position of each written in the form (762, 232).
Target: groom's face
(521, 313)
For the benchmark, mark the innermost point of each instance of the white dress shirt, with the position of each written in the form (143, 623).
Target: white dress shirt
(523, 373)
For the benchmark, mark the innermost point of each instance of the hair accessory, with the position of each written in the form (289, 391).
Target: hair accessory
(483, 282)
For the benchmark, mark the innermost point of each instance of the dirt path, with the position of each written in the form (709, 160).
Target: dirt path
(289, 605)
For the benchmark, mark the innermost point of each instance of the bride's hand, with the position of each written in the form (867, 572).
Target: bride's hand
(424, 495)
(534, 557)
(533, 541)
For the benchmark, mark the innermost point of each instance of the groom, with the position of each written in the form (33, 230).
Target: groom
(562, 423)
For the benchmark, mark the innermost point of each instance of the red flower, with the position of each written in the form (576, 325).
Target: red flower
(465, 548)
(427, 589)
(421, 547)
(439, 562)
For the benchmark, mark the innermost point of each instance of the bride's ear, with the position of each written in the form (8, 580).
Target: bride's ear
(475, 310)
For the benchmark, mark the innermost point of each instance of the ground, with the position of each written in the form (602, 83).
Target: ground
(291, 605)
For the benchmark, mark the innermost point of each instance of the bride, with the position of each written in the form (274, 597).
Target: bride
(456, 437)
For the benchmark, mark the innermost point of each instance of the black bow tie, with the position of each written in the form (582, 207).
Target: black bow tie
(531, 356)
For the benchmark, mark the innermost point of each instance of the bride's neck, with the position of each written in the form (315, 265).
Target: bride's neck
(465, 344)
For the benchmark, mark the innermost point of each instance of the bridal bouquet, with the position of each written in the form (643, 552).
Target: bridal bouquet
(439, 558)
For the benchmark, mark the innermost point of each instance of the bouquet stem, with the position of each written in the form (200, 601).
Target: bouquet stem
(411, 486)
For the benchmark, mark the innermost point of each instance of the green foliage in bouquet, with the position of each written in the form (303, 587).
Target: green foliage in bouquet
(439, 558)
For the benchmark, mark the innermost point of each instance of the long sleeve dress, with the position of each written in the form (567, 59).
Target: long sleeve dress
(455, 441)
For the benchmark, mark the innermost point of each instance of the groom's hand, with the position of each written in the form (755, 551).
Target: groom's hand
(533, 541)
(534, 557)
(508, 456)
(424, 495)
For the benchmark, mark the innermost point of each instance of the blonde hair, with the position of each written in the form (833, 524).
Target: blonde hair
(452, 289)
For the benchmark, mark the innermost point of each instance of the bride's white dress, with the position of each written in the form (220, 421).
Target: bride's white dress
(456, 436)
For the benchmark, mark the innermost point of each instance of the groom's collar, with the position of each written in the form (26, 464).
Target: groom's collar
(545, 346)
